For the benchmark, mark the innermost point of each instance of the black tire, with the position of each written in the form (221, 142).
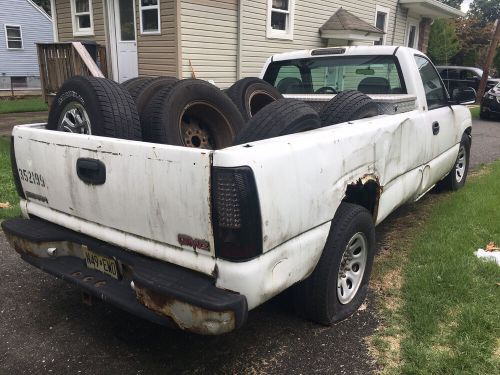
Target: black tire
(191, 113)
(146, 92)
(109, 107)
(348, 106)
(252, 94)
(317, 298)
(456, 179)
(134, 88)
(133, 81)
(284, 116)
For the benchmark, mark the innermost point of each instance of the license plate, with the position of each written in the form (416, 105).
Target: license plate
(100, 263)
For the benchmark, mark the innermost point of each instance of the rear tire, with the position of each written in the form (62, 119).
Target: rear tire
(348, 106)
(339, 283)
(457, 176)
(252, 94)
(284, 116)
(192, 113)
(98, 106)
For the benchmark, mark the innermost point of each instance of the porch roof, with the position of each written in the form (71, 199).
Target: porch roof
(345, 25)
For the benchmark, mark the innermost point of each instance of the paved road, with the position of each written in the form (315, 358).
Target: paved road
(44, 328)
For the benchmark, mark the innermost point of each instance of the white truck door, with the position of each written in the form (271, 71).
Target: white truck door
(439, 123)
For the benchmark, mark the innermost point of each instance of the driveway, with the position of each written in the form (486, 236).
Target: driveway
(9, 120)
(44, 327)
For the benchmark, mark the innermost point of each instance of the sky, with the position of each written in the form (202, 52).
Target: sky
(465, 5)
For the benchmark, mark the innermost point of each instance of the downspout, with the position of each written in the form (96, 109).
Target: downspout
(240, 40)
(394, 25)
(53, 13)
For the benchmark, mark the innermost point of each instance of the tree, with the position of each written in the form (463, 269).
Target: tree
(474, 37)
(485, 10)
(452, 3)
(45, 4)
(443, 42)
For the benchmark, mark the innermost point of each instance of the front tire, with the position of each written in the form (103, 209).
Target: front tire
(457, 176)
(339, 284)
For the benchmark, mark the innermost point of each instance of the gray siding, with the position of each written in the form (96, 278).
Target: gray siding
(36, 28)
(210, 40)
(309, 17)
(157, 54)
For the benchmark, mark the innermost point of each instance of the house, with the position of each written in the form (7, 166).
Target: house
(23, 24)
(224, 40)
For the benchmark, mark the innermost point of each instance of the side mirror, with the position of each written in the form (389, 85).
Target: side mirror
(463, 95)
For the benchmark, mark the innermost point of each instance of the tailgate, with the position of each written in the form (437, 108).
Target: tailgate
(157, 192)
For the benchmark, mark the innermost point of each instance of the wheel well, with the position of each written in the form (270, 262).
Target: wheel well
(364, 192)
(468, 131)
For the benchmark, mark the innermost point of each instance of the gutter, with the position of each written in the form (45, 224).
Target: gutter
(53, 12)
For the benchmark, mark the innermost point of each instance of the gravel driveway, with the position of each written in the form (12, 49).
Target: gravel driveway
(44, 327)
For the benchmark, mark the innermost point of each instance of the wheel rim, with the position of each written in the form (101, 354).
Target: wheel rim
(74, 119)
(201, 125)
(352, 268)
(461, 164)
(258, 100)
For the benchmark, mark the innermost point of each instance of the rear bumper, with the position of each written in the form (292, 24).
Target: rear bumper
(157, 291)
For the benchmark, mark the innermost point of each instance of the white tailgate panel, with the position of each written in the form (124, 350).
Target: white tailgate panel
(151, 190)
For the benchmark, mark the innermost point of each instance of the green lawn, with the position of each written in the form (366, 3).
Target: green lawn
(474, 111)
(28, 104)
(7, 190)
(443, 317)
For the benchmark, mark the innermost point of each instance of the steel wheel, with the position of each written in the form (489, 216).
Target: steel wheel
(74, 119)
(352, 268)
(461, 163)
(203, 126)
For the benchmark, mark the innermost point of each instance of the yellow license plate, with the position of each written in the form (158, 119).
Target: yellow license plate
(100, 263)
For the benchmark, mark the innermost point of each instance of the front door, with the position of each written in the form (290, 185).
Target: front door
(126, 43)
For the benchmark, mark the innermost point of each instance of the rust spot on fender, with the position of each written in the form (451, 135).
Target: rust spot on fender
(365, 191)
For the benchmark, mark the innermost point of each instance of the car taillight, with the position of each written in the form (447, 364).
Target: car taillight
(15, 172)
(236, 214)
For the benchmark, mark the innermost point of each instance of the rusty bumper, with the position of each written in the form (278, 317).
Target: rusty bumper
(161, 292)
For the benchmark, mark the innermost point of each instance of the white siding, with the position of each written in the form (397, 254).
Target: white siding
(309, 17)
(210, 40)
(36, 28)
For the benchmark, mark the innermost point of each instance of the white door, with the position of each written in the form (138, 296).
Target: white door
(126, 43)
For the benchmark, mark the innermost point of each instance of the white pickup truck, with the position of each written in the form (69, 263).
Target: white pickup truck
(196, 238)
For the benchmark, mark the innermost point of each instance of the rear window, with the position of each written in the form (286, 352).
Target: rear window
(328, 75)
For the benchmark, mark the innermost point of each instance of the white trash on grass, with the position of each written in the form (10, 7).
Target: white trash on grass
(491, 254)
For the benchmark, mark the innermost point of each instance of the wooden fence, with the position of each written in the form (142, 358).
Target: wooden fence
(60, 61)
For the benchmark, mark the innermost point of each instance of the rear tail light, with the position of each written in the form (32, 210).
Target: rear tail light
(236, 214)
(15, 172)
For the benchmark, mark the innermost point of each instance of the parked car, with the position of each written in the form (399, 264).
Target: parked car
(455, 77)
(490, 103)
(197, 236)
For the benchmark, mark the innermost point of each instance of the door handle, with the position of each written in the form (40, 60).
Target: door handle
(435, 127)
(91, 171)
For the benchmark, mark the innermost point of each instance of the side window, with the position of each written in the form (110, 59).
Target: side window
(81, 14)
(434, 91)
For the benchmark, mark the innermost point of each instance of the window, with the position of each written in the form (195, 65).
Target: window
(14, 37)
(435, 92)
(18, 82)
(81, 12)
(327, 75)
(280, 19)
(381, 22)
(150, 16)
(412, 35)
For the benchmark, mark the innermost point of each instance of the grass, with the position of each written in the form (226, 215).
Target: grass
(27, 104)
(474, 111)
(7, 189)
(440, 310)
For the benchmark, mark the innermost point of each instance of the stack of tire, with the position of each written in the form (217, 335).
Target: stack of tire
(191, 112)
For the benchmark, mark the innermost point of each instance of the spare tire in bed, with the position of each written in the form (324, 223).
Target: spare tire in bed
(191, 113)
(98, 106)
(132, 82)
(251, 94)
(284, 116)
(348, 106)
